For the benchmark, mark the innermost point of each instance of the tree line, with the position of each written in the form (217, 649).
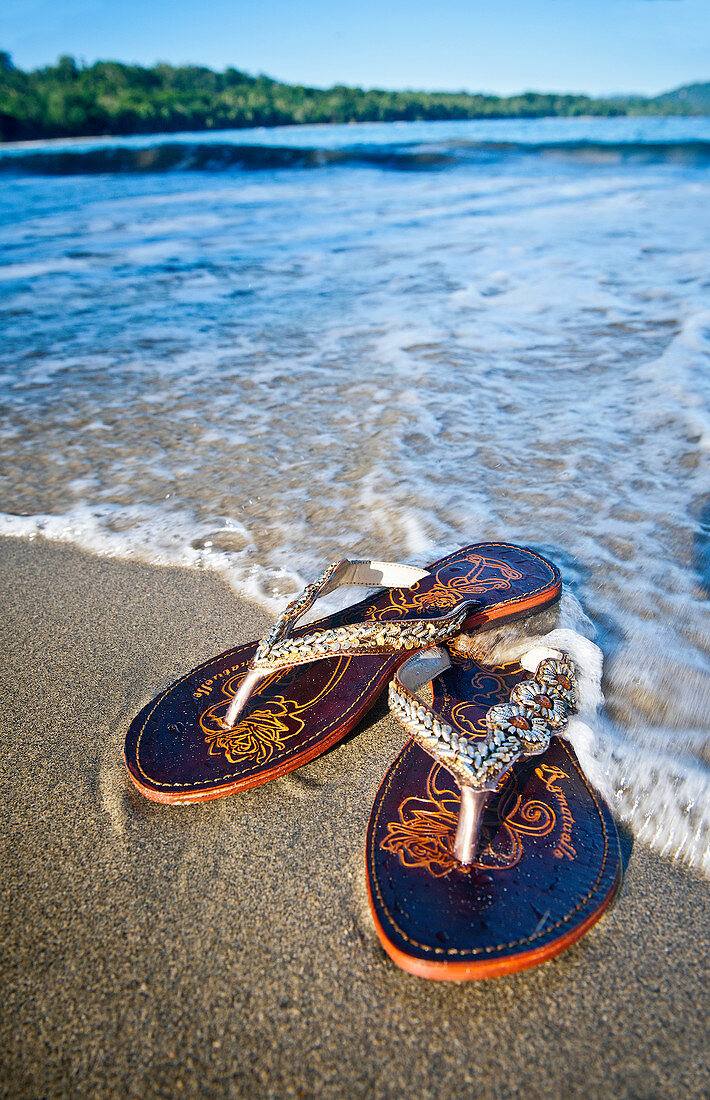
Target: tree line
(73, 100)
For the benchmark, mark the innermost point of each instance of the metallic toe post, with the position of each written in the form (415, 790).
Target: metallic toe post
(479, 760)
(468, 832)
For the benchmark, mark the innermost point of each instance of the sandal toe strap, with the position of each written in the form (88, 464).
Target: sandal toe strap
(279, 649)
(523, 726)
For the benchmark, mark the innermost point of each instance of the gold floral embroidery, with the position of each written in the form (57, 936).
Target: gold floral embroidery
(261, 735)
(485, 574)
(258, 736)
(424, 834)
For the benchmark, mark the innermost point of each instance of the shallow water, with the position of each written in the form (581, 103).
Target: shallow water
(264, 370)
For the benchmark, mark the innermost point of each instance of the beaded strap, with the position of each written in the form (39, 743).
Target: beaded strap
(294, 610)
(361, 638)
(537, 709)
(280, 650)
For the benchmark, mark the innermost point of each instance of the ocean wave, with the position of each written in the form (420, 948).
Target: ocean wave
(215, 156)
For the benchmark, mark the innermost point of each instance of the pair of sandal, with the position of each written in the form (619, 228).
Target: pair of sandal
(487, 850)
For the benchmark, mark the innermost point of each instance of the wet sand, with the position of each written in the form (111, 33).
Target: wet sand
(227, 949)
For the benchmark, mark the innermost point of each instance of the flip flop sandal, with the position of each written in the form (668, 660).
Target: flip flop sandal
(262, 709)
(487, 849)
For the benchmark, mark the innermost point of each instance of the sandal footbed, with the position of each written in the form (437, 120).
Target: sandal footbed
(547, 867)
(177, 751)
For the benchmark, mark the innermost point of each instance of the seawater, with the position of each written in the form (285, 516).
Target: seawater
(405, 338)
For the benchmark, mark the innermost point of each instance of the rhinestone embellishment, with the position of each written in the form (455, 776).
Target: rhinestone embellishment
(279, 649)
(392, 637)
(537, 709)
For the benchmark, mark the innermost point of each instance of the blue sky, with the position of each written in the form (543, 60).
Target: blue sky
(504, 46)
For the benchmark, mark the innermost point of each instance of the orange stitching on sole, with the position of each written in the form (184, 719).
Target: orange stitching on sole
(397, 954)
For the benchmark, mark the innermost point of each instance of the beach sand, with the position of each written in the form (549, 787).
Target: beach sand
(227, 949)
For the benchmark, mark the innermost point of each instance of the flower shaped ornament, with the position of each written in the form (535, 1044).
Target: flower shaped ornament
(558, 678)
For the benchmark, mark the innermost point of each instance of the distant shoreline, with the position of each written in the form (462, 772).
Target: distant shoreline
(110, 99)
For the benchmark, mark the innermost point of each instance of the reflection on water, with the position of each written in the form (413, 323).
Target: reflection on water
(264, 371)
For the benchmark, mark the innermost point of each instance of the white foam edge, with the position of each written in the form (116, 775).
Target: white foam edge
(662, 797)
(82, 527)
